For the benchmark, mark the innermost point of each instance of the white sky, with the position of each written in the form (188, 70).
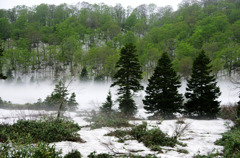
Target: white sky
(7, 4)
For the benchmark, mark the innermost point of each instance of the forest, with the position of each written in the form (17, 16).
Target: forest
(46, 41)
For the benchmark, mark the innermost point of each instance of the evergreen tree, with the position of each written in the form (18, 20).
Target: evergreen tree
(202, 90)
(72, 101)
(238, 108)
(128, 79)
(107, 106)
(58, 96)
(1, 54)
(84, 74)
(162, 90)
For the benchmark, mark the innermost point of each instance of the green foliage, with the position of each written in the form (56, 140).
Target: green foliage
(202, 90)
(162, 97)
(58, 96)
(72, 101)
(41, 149)
(231, 142)
(153, 138)
(112, 119)
(128, 79)
(95, 155)
(48, 130)
(91, 35)
(59, 99)
(73, 154)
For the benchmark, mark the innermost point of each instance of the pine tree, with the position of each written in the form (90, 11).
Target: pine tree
(72, 101)
(107, 106)
(202, 90)
(84, 74)
(162, 97)
(58, 96)
(128, 79)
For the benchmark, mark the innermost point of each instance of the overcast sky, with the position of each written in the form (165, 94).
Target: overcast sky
(7, 4)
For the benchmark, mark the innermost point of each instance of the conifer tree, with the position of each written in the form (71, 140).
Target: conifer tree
(84, 74)
(128, 78)
(72, 100)
(238, 108)
(1, 54)
(162, 97)
(202, 90)
(107, 106)
(58, 96)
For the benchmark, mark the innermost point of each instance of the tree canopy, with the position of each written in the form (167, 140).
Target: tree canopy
(46, 40)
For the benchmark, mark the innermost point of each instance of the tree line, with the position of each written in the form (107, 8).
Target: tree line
(45, 41)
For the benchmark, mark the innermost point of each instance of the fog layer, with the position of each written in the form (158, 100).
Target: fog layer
(91, 95)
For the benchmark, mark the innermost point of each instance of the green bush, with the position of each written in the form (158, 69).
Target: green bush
(152, 138)
(95, 155)
(47, 130)
(73, 154)
(112, 119)
(231, 142)
(40, 150)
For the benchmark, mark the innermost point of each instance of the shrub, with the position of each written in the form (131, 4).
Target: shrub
(228, 112)
(48, 130)
(112, 119)
(40, 150)
(94, 155)
(152, 138)
(73, 154)
(231, 142)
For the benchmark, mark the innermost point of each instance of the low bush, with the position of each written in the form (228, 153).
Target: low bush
(111, 119)
(40, 150)
(95, 155)
(228, 112)
(73, 154)
(151, 138)
(47, 130)
(231, 142)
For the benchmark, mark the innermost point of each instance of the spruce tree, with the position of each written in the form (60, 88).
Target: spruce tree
(202, 90)
(128, 79)
(72, 103)
(84, 74)
(162, 97)
(1, 54)
(238, 108)
(107, 106)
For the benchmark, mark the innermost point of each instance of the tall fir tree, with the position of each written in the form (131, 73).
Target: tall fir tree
(128, 79)
(202, 90)
(162, 97)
